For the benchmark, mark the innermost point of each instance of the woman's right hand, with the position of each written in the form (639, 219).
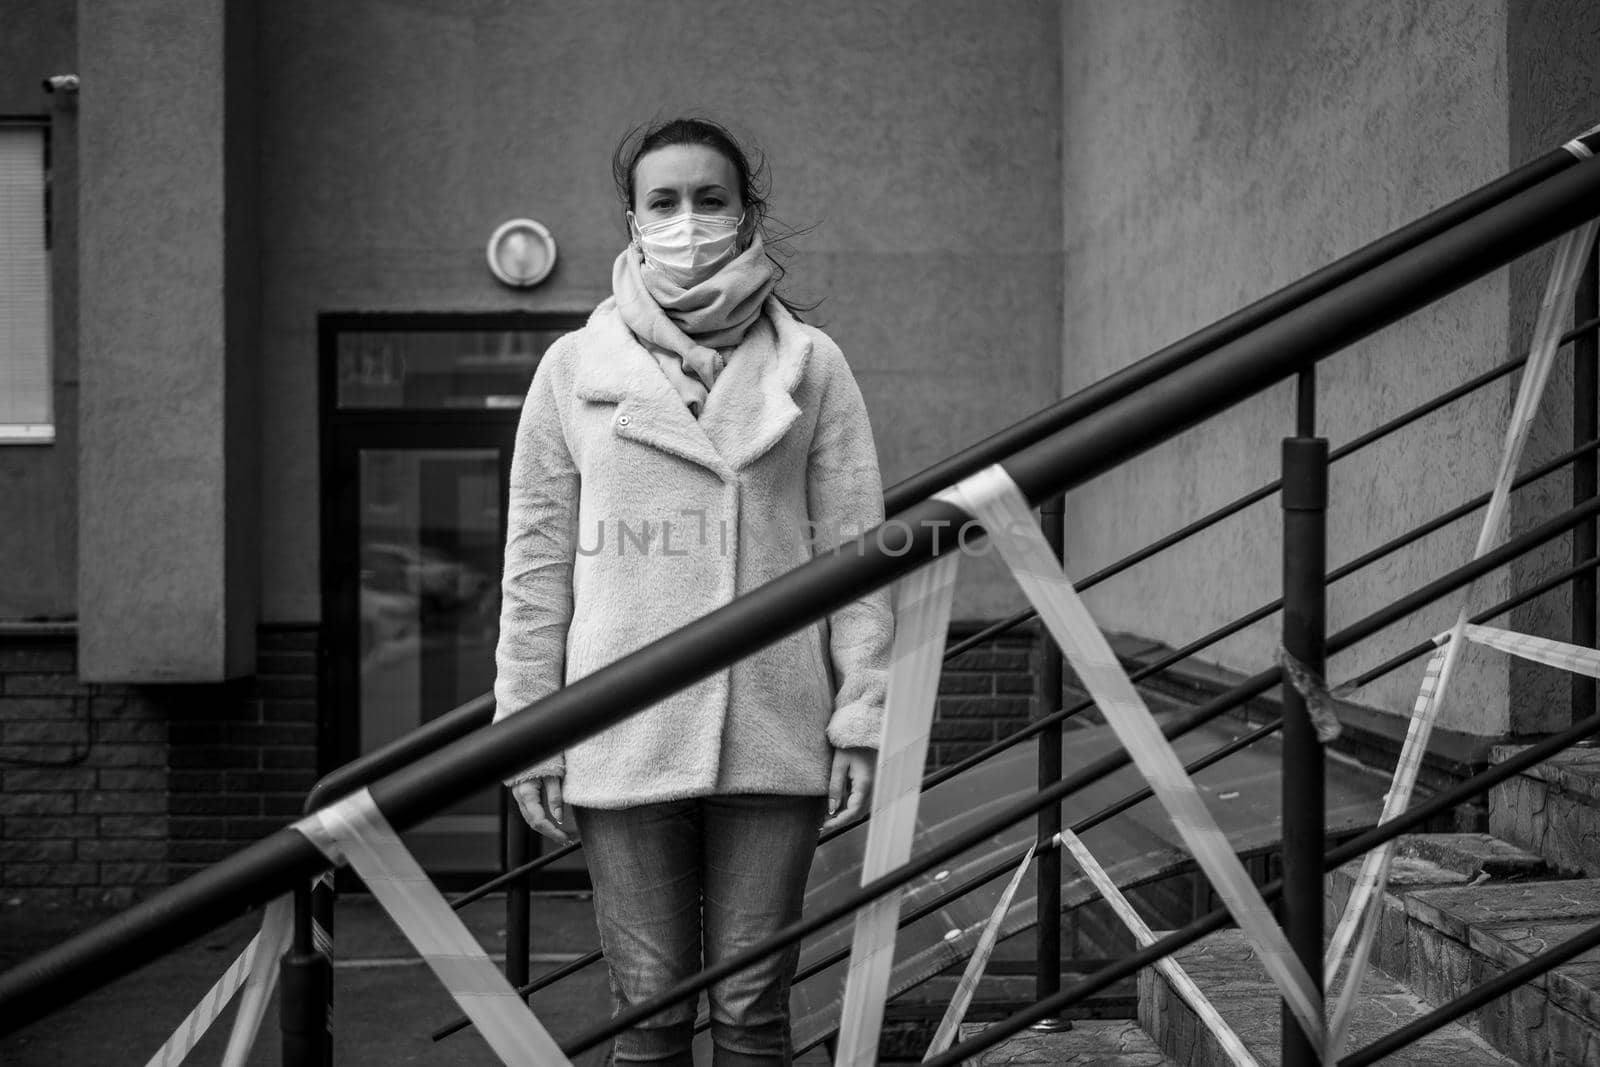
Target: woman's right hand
(540, 801)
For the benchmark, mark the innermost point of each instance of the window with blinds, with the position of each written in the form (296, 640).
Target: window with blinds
(25, 401)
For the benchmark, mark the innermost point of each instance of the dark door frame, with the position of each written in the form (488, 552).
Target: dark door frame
(342, 434)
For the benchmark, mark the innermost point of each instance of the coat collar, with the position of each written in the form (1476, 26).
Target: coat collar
(750, 406)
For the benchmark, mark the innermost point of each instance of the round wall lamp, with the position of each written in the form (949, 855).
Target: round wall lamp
(522, 253)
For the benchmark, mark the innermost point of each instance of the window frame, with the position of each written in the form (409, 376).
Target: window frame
(39, 433)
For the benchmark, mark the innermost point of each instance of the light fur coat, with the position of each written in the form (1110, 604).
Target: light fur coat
(781, 464)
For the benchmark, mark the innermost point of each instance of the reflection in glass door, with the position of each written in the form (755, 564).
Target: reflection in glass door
(418, 416)
(429, 544)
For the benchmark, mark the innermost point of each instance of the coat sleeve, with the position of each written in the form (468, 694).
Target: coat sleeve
(844, 492)
(536, 587)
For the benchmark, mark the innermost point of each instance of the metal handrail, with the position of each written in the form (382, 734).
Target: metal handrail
(471, 716)
(1086, 775)
(1260, 493)
(1110, 811)
(1413, 817)
(1199, 644)
(1073, 454)
(944, 774)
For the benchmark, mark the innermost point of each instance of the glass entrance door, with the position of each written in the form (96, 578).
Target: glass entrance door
(428, 546)
(419, 417)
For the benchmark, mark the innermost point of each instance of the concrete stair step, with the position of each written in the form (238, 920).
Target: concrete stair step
(1226, 968)
(1462, 936)
(1552, 808)
(1428, 861)
(1090, 1043)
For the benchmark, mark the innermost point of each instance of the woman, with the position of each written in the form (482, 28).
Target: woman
(693, 441)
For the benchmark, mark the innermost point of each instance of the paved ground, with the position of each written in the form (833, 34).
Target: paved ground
(387, 1002)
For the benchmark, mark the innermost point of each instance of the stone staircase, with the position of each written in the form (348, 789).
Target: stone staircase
(1460, 909)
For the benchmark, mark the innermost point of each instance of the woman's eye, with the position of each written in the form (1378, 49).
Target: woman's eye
(660, 205)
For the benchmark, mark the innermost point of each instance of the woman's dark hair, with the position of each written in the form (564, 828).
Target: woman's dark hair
(749, 164)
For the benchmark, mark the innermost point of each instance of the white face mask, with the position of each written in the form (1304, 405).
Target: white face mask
(688, 248)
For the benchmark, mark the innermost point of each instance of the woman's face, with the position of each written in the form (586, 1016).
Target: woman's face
(691, 178)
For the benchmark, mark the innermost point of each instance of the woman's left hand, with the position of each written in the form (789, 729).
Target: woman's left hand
(850, 784)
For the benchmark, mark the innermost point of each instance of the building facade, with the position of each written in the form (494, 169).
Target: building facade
(251, 526)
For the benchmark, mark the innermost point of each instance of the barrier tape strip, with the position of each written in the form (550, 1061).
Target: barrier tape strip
(277, 929)
(1313, 689)
(1232, 1046)
(979, 962)
(922, 623)
(1576, 145)
(994, 499)
(1358, 924)
(1559, 654)
(354, 831)
(255, 969)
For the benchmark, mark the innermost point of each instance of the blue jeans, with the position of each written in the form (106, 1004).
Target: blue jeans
(682, 881)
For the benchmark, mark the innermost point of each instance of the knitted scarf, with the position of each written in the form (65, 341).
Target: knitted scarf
(684, 328)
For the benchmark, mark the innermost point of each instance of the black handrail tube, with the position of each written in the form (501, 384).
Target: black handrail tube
(1475, 998)
(1089, 822)
(1182, 353)
(1091, 772)
(824, 585)
(1219, 919)
(1255, 496)
(352, 775)
(1156, 667)
(1251, 618)
(424, 740)
(1215, 756)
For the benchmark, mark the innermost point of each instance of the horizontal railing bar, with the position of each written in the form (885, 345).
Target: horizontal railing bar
(820, 587)
(1088, 774)
(1255, 496)
(944, 774)
(506, 877)
(1215, 756)
(1112, 810)
(1219, 919)
(1475, 998)
(1181, 354)
(1249, 619)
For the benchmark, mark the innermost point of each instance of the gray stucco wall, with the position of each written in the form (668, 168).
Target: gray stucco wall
(38, 483)
(1214, 151)
(159, 464)
(921, 139)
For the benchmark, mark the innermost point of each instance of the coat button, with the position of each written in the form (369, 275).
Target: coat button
(623, 420)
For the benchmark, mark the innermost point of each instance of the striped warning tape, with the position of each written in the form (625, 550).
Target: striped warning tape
(979, 962)
(354, 831)
(1558, 654)
(922, 622)
(1358, 925)
(1185, 986)
(993, 498)
(255, 968)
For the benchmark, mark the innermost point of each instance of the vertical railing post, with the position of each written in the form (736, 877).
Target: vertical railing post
(307, 976)
(518, 849)
(1047, 862)
(1305, 502)
(1585, 427)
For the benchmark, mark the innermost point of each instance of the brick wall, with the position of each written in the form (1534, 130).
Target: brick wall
(83, 780)
(984, 694)
(241, 766)
(108, 792)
